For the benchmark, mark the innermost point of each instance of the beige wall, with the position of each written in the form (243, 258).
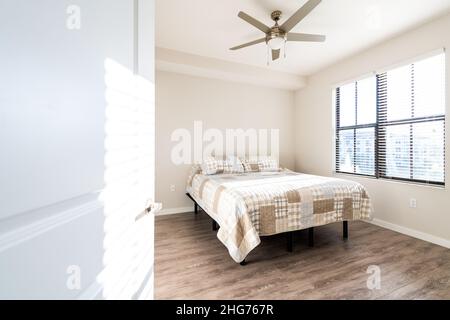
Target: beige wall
(182, 99)
(314, 131)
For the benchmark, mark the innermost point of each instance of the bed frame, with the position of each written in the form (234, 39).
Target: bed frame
(289, 235)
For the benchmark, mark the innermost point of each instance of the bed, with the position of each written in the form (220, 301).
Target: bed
(250, 205)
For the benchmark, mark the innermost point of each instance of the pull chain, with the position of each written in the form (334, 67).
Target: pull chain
(268, 55)
(284, 50)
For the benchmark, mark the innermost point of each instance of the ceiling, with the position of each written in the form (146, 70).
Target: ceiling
(210, 27)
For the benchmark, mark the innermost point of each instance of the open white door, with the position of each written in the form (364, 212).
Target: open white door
(77, 124)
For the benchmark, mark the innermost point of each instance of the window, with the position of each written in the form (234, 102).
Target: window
(392, 125)
(356, 124)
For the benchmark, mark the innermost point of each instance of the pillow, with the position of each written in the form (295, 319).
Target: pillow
(268, 164)
(261, 164)
(250, 165)
(234, 165)
(212, 165)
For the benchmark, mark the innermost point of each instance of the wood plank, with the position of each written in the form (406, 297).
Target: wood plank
(191, 263)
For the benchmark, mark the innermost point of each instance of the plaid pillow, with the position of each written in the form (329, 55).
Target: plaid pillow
(233, 165)
(261, 164)
(268, 164)
(250, 165)
(212, 166)
(217, 166)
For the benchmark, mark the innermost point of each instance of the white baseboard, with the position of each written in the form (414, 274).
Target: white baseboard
(168, 211)
(412, 233)
(381, 223)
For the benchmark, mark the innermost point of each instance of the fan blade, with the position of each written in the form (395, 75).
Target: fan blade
(257, 24)
(248, 44)
(299, 15)
(275, 54)
(306, 37)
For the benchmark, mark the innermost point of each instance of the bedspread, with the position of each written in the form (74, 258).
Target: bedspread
(249, 205)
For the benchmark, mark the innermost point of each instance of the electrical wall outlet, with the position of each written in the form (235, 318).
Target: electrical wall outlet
(172, 188)
(413, 203)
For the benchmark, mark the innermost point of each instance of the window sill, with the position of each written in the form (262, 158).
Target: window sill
(409, 183)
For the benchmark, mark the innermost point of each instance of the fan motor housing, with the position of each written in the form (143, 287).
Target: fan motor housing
(276, 32)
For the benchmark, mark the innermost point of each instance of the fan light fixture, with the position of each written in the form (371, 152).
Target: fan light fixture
(276, 43)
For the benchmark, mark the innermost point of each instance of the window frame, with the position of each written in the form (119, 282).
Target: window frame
(382, 123)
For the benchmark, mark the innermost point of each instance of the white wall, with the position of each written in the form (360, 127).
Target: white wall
(183, 99)
(314, 133)
(52, 140)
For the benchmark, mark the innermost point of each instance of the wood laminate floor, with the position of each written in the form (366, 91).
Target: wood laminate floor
(191, 263)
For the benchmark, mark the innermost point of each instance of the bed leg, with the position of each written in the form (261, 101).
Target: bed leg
(311, 237)
(290, 242)
(195, 207)
(243, 263)
(345, 229)
(214, 225)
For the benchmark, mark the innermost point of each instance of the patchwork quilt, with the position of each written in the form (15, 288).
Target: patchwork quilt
(249, 205)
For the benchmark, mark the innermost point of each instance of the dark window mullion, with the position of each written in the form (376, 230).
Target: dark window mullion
(444, 151)
(411, 128)
(356, 123)
(354, 150)
(381, 121)
(377, 166)
(415, 120)
(360, 126)
(338, 125)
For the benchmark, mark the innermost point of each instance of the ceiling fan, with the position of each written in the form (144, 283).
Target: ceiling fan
(277, 36)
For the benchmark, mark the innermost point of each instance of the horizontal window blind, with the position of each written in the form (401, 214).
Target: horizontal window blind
(392, 125)
(411, 120)
(356, 127)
